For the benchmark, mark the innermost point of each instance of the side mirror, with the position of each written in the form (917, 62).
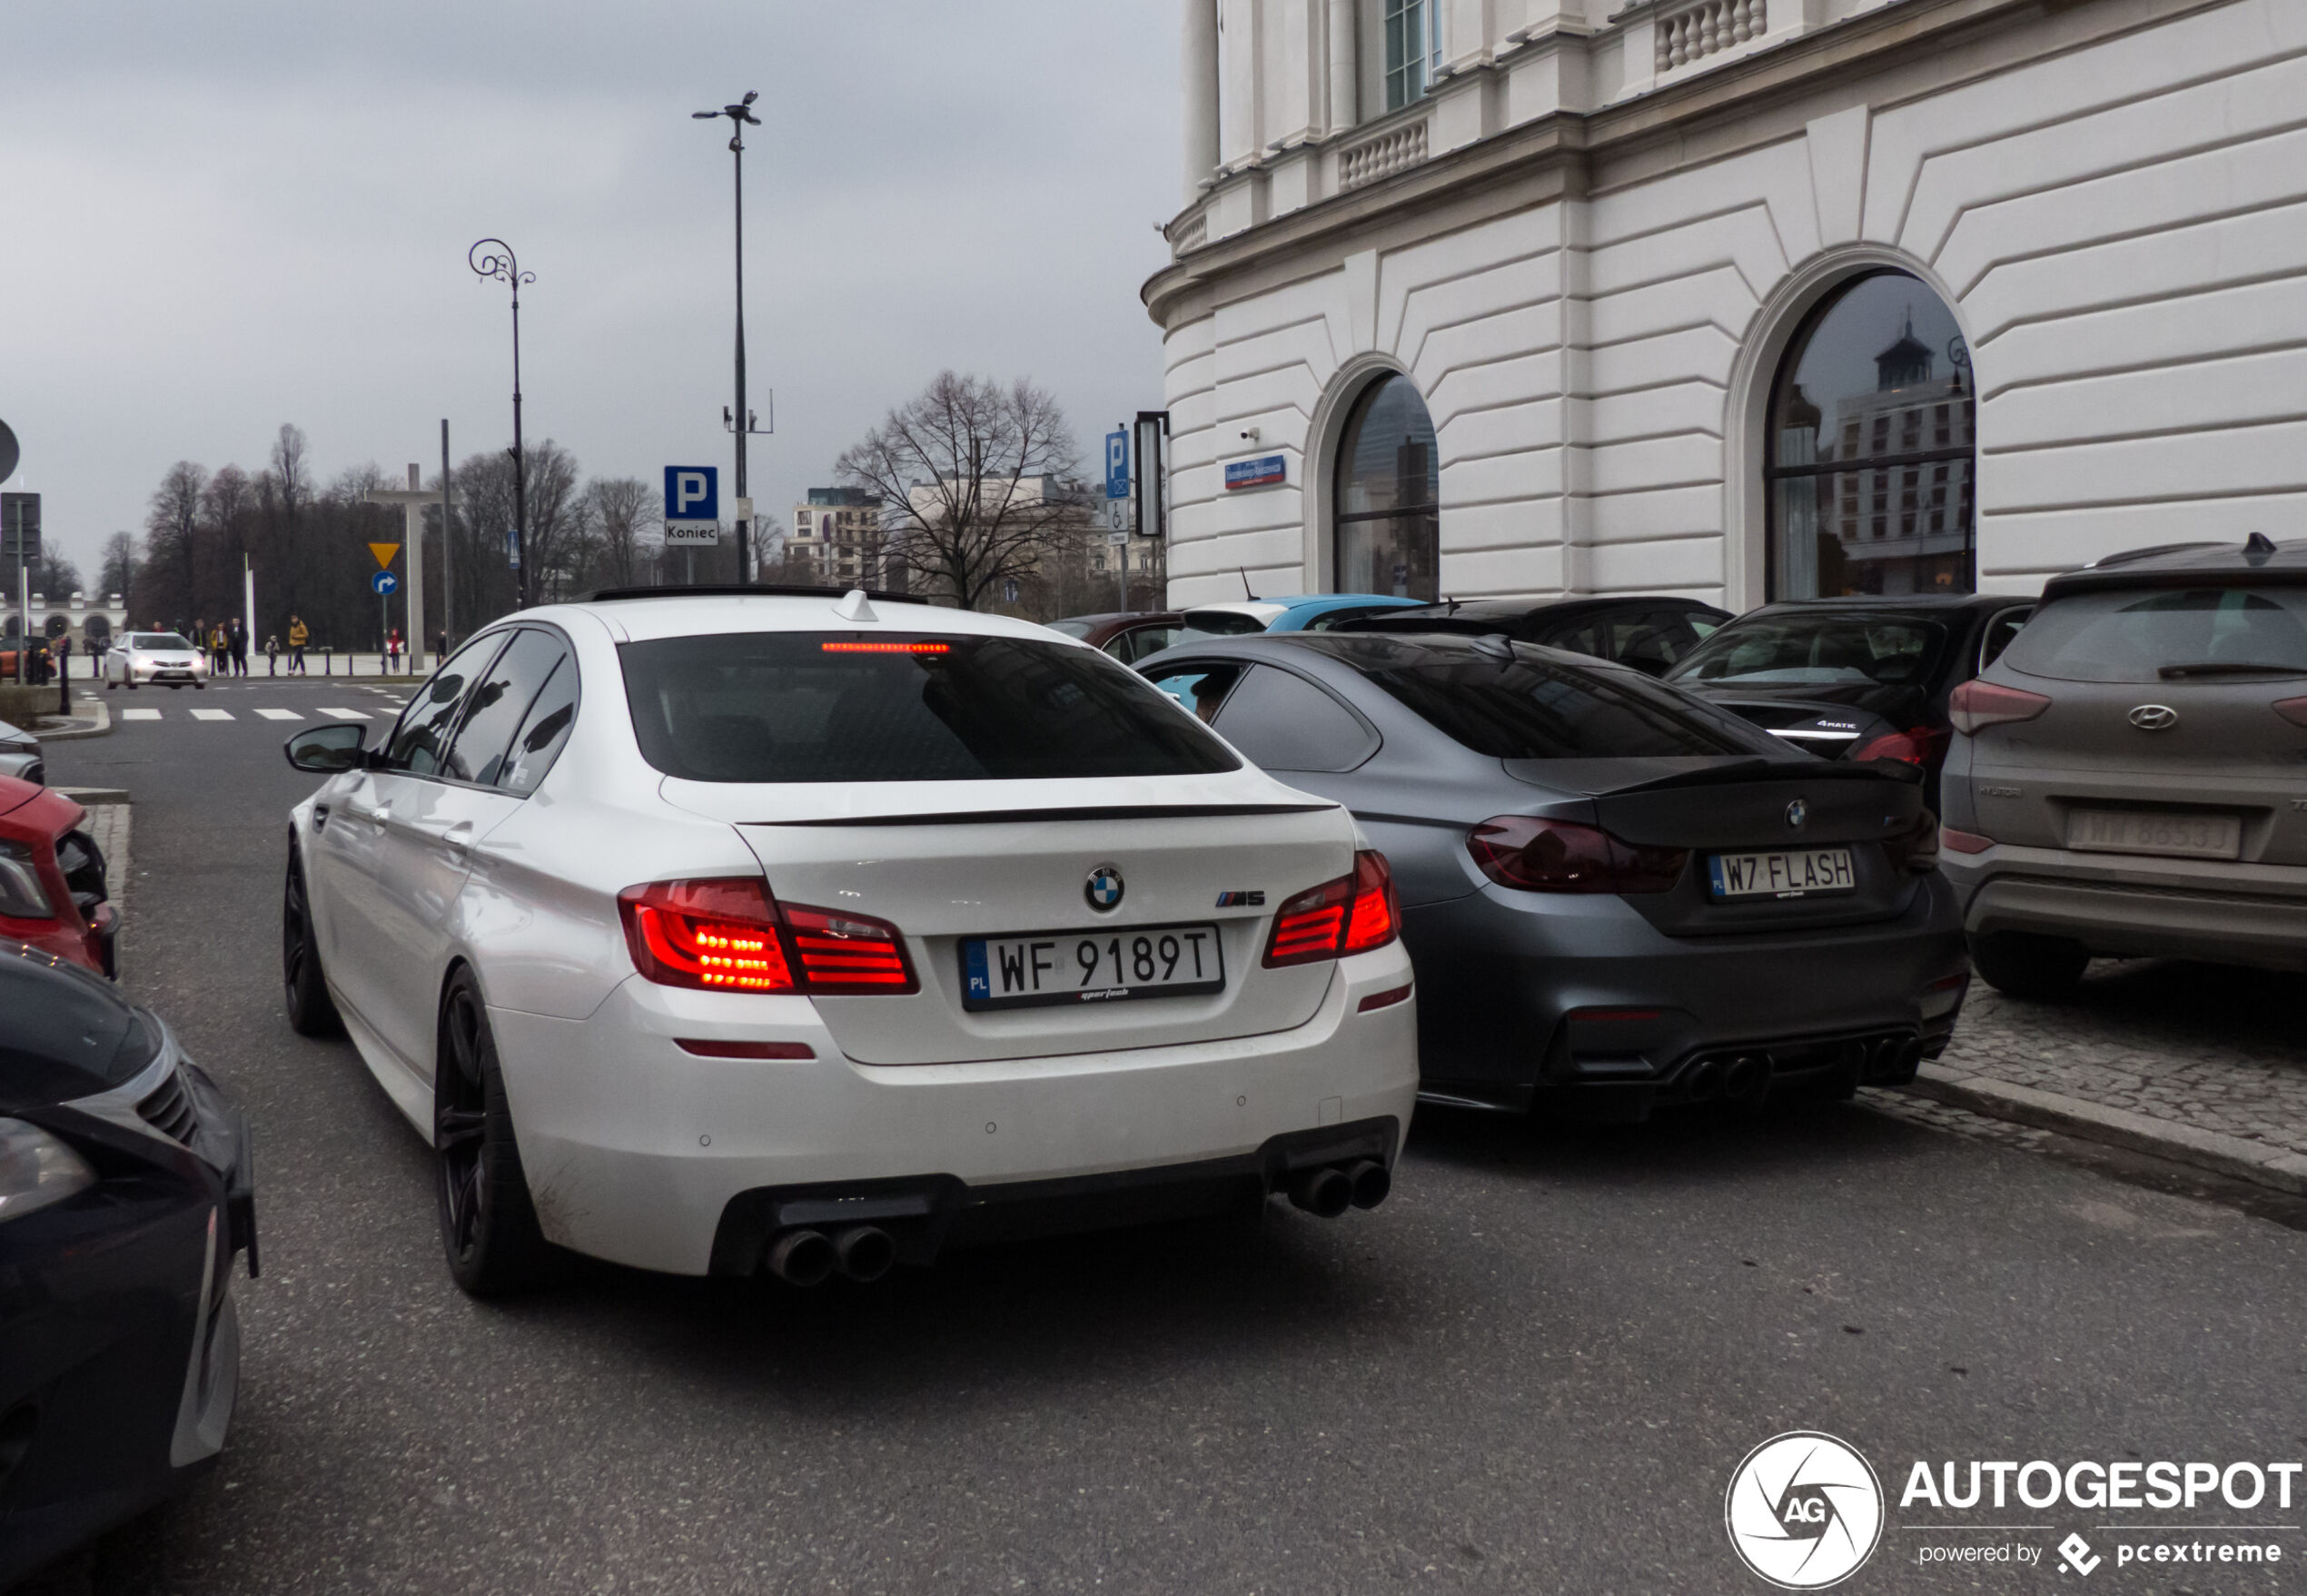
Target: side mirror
(327, 750)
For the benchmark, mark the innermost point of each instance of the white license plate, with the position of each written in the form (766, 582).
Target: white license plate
(1091, 966)
(2133, 831)
(1797, 872)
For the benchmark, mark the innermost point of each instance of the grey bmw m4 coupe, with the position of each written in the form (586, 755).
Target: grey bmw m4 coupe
(1617, 895)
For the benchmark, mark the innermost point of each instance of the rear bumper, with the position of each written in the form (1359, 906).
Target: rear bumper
(2010, 888)
(1530, 1000)
(636, 1150)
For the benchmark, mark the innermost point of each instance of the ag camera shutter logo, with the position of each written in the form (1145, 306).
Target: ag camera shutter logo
(1804, 1510)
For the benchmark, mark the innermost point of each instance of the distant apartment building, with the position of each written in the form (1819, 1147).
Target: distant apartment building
(836, 538)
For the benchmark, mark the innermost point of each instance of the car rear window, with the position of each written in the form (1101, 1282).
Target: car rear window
(1819, 651)
(1528, 707)
(776, 706)
(2164, 634)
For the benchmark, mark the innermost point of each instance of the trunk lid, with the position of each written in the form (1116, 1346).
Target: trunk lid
(949, 861)
(1736, 805)
(2226, 754)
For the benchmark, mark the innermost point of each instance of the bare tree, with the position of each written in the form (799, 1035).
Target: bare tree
(554, 543)
(976, 484)
(171, 540)
(623, 510)
(119, 567)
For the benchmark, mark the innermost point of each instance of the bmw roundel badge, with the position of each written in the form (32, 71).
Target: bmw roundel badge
(1797, 814)
(1103, 887)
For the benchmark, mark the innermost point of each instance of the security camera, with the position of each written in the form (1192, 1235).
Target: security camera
(1249, 435)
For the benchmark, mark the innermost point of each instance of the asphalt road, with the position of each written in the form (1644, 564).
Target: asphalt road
(1534, 1369)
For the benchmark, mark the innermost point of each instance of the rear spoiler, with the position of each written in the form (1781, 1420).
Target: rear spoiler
(1536, 772)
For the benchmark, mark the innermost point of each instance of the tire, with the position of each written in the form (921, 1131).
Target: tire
(489, 1225)
(311, 1012)
(2026, 965)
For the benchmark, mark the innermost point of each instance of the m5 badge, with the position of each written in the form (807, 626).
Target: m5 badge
(1235, 900)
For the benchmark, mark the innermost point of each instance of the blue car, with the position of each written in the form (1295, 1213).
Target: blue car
(1289, 612)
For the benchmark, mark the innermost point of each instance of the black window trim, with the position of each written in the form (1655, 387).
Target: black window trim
(509, 627)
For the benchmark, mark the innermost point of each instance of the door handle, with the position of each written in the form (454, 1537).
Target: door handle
(457, 840)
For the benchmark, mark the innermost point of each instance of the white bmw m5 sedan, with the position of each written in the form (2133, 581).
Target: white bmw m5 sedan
(716, 932)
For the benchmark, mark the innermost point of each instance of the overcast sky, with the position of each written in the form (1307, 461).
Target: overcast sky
(217, 218)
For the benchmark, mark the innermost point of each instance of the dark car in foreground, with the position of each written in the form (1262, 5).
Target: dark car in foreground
(1615, 895)
(1856, 678)
(2131, 776)
(126, 1193)
(51, 878)
(1651, 632)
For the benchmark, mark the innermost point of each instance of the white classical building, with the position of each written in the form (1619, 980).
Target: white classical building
(1739, 298)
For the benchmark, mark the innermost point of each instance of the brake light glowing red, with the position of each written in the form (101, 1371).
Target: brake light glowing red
(886, 648)
(1353, 914)
(1531, 855)
(1917, 745)
(718, 936)
(1976, 705)
(730, 935)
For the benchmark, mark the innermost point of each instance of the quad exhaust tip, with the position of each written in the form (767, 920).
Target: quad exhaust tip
(865, 1253)
(1331, 1189)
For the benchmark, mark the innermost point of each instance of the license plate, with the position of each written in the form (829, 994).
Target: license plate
(1091, 966)
(2133, 832)
(1795, 872)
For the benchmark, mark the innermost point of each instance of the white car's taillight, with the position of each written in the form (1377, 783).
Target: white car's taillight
(1353, 914)
(728, 935)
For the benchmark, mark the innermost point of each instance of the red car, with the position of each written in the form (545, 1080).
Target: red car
(51, 878)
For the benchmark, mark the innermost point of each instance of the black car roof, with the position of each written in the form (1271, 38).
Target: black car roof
(2258, 560)
(1876, 603)
(1460, 608)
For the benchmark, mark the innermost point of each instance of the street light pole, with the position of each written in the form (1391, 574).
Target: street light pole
(741, 420)
(501, 266)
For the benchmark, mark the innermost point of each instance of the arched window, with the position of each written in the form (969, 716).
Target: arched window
(1872, 459)
(1388, 524)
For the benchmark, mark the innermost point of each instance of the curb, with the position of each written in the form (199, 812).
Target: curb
(2233, 1157)
(98, 724)
(88, 797)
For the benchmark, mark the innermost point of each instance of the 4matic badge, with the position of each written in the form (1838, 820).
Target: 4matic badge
(1804, 1510)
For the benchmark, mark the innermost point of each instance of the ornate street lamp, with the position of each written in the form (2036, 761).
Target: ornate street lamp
(741, 419)
(499, 265)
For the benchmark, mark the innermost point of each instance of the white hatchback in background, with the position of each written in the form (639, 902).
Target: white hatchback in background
(711, 933)
(163, 658)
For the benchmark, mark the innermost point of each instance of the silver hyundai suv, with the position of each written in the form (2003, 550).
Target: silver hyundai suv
(2130, 777)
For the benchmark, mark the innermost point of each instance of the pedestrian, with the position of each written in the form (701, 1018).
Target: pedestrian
(392, 650)
(220, 652)
(298, 636)
(238, 640)
(440, 645)
(271, 653)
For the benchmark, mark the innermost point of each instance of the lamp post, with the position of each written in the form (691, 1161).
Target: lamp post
(501, 265)
(741, 418)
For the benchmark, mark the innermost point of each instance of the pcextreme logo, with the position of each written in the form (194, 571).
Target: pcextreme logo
(1804, 1510)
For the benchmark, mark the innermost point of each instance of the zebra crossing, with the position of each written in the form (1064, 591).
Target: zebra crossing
(332, 711)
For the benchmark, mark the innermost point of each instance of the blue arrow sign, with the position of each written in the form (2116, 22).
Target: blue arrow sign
(385, 583)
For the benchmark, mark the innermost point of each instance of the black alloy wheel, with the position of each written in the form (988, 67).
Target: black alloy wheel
(488, 1225)
(311, 1011)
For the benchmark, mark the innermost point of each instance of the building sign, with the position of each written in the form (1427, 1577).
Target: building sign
(1268, 470)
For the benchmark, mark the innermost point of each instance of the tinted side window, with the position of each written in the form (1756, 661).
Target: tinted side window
(1200, 688)
(537, 743)
(2001, 628)
(422, 737)
(1284, 722)
(500, 703)
(1143, 643)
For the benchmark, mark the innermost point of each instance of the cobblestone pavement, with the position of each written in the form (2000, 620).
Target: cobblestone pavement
(108, 824)
(2200, 1046)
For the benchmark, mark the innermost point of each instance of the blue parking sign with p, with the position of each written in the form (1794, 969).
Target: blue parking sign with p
(692, 492)
(1117, 465)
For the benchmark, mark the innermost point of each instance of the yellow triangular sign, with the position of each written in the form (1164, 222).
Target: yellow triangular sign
(384, 553)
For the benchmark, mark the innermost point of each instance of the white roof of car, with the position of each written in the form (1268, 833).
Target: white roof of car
(679, 615)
